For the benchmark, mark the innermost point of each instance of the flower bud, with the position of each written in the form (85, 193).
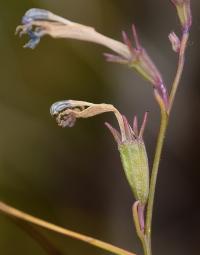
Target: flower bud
(184, 13)
(175, 42)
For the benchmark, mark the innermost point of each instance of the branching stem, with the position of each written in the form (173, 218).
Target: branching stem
(162, 132)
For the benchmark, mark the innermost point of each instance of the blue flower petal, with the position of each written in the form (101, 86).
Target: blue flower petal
(35, 14)
(35, 39)
(59, 106)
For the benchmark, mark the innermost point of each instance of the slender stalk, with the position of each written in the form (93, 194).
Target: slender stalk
(179, 72)
(139, 231)
(159, 146)
(8, 210)
(145, 246)
(163, 127)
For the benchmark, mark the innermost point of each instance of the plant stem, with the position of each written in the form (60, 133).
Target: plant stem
(8, 210)
(179, 72)
(163, 127)
(159, 146)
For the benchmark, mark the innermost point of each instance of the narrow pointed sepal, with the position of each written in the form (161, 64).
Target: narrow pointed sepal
(114, 132)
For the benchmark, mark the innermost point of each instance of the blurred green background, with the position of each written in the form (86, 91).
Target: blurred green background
(73, 177)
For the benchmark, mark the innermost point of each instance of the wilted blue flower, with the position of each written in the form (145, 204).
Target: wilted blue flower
(35, 14)
(130, 140)
(37, 23)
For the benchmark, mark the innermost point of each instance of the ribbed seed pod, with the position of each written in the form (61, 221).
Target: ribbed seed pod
(135, 164)
(134, 157)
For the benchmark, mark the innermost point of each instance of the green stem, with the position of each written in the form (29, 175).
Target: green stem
(163, 127)
(8, 210)
(145, 246)
(140, 233)
(179, 72)
(159, 146)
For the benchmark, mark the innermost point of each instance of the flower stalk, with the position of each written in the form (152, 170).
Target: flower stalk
(156, 163)
(181, 61)
(139, 230)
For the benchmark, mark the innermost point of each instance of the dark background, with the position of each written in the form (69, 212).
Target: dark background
(73, 177)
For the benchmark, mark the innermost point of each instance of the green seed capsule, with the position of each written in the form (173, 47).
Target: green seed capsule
(135, 163)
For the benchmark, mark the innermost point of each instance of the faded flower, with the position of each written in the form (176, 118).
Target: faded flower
(37, 23)
(130, 140)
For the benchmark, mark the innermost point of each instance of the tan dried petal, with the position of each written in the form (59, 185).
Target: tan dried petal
(48, 23)
(66, 112)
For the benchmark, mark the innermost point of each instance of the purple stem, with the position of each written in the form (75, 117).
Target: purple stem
(141, 216)
(161, 89)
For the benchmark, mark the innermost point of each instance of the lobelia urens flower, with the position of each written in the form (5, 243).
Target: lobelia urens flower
(37, 23)
(130, 140)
